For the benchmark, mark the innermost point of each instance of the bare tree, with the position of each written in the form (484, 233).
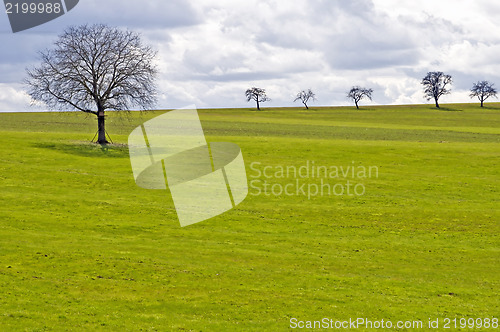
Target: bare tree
(94, 68)
(483, 90)
(435, 83)
(357, 93)
(305, 96)
(257, 94)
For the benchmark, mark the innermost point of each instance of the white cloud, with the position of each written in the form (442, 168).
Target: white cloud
(13, 98)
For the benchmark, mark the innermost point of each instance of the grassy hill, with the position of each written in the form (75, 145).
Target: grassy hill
(82, 247)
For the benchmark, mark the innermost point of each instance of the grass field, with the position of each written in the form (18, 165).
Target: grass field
(83, 248)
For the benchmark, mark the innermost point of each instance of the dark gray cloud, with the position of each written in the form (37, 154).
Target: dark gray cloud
(240, 77)
(130, 14)
(137, 14)
(22, 48)
(350, 34)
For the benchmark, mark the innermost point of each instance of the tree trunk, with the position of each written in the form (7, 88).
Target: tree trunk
(482, 101)
(258, 106)
(437, 104)
(101, 137)
(307, 107)
(356, 102)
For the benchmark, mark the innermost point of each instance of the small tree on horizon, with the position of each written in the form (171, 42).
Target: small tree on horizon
(94, 68)
(358, 93)
(305, 96)
(257, 94)
(435, 83)
(483, 90)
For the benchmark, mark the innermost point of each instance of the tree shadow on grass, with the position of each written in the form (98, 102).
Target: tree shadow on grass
(489, 107)
(446, 109)
(364, 108)
(86, 149)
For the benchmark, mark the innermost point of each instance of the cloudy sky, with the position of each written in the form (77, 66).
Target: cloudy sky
(211, 51)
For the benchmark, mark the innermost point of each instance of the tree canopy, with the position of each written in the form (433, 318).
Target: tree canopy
(305, 96)
(94, 68)
(483, 90)
(357, 93)
(435, 85)
(257, 94)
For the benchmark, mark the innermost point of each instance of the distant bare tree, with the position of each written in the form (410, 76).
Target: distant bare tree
(305, 96)
(94, 68)
(357, 93)
(483, 90)
(257, 94)
(435, 83)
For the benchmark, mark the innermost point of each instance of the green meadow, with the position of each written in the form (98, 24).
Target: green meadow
(82, 248)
